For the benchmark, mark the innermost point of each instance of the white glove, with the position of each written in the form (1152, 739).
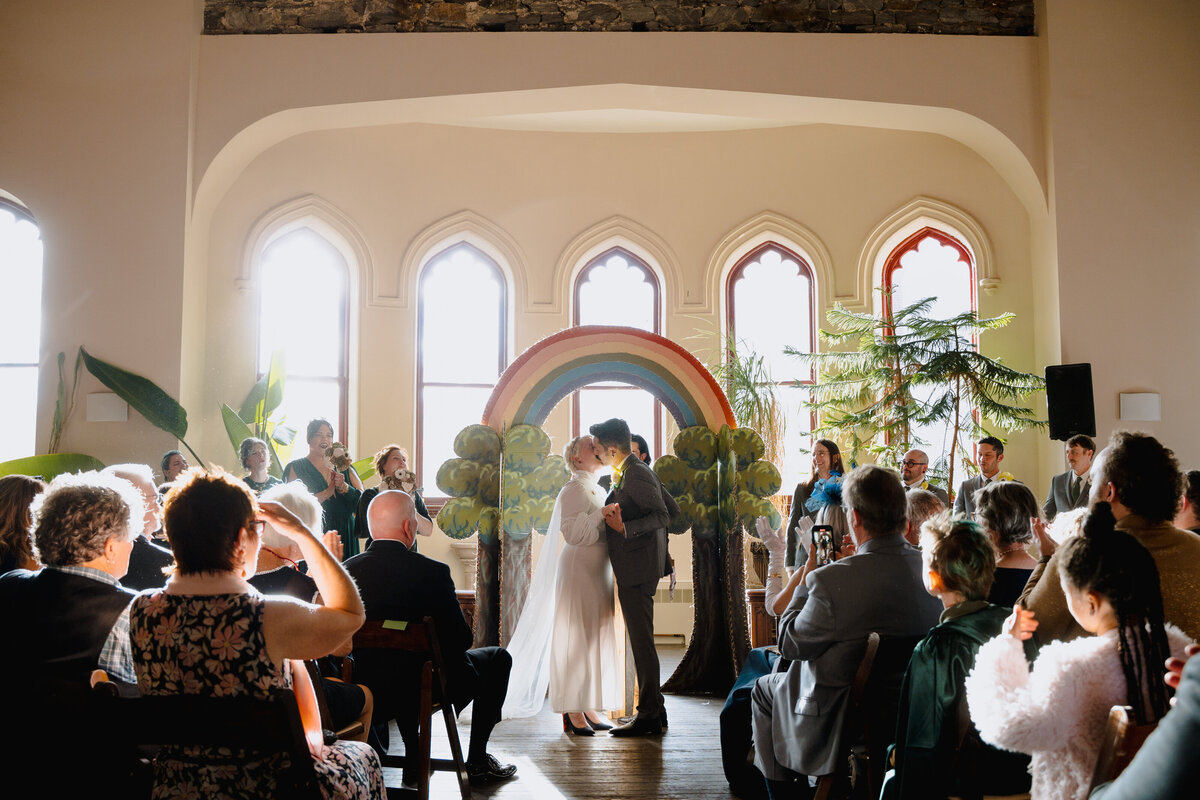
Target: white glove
(773, 539)
(804, 536)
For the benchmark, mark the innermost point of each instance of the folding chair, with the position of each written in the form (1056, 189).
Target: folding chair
(420, 640)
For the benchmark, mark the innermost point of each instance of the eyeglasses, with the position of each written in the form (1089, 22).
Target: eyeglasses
(256, 526)
(911, 463)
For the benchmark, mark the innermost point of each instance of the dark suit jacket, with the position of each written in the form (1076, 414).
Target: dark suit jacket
(397, 584)
(640, 554)
(56, 623)
(1058, 500)
(146, 563)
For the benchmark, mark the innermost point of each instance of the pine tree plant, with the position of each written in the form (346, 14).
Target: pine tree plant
(910, 370)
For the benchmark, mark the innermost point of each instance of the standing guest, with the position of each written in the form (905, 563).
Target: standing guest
(1005, 510)
(808, 498)
(1058, 712)
(391, 465)
(991, 453)
(173, 464)
(922, 505)
(399, 584)
(149, 562)
(636, 515)
(256, 461)
(934, 756)
(638, 446)
(913, 467)
(210, 633)
(16, 541)
(1141, 482)
(337, 492)
(70, 617)
(1070, 489)
(1188, 517)
(799, 714)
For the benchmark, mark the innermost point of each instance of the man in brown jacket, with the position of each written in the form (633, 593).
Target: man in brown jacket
(1141, 481)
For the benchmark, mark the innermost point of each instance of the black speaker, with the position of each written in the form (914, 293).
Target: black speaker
(1069, 400)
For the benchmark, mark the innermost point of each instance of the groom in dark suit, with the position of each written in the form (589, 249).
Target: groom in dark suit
(636, 517)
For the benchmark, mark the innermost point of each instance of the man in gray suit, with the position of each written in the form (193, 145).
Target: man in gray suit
(636, 516)
(913, 467)
(799, 714)
(991, 453)
(1070, 489)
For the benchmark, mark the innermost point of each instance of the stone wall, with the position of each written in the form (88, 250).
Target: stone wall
(967, 17)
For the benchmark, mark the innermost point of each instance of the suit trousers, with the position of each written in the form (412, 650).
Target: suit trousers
(637, 607)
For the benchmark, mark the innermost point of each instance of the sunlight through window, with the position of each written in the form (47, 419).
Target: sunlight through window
(20, 329)
(462, 321)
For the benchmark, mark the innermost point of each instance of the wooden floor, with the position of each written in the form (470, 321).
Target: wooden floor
(684, 763)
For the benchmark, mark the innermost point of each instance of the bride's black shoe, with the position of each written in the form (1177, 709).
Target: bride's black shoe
(597, 725)
(569, 727)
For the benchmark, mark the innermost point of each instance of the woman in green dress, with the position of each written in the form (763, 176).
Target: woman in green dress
(337, 492)
(391, 463)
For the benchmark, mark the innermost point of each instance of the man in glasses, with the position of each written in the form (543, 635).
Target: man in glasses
(912, 475)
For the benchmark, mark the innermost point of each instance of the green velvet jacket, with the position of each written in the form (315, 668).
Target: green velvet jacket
(933, 719)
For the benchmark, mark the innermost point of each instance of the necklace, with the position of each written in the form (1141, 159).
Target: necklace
(1000, 556)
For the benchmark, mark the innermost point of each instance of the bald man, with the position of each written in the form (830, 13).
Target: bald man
(147, 560)
(913, 467)
(396, 583)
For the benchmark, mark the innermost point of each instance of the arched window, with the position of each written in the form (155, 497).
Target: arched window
(770, 303)
(618, 288)
(931, 263)
(304, 311)
(461, 349)
(20, 326)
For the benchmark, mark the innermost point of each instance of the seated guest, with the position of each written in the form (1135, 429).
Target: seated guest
(391, 465)
(397, 583)
(799, 715)
(930, 762)
(70, 618)
(1188, 517)
(256, 461)
(1141, 482)
(148, 561)
(1005, 510)
(277, 572)
(779, 593)
(922, 505)
(1058, 712)
(16, 542)
(209, 632)
(173, 465)
(1166, 767)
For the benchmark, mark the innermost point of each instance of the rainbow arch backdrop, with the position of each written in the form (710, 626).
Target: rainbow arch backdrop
(556, 366)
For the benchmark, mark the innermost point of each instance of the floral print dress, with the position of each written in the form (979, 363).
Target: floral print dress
(214, 645)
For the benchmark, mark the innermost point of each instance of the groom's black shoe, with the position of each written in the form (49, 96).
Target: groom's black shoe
(639, 727)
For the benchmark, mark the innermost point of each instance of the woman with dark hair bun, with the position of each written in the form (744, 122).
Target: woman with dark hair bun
(1057, 712)
(337, 491)
(811, 496)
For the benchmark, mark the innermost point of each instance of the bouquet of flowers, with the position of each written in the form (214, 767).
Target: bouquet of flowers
(403, 479)
(338, 456)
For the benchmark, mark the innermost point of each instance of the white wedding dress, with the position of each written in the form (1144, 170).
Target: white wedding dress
(566, 637)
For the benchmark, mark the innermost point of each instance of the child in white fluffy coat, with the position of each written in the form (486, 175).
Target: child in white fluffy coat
(1057, 713)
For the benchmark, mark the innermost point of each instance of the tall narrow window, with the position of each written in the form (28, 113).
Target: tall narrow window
(20, 327)
(932, 263)
(618, 288)
(461, 351)
(304, 311)
(770, 301)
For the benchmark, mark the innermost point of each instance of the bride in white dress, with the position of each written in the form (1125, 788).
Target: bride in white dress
(567, 636)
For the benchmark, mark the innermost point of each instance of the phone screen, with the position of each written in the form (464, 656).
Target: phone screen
(822, 536)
